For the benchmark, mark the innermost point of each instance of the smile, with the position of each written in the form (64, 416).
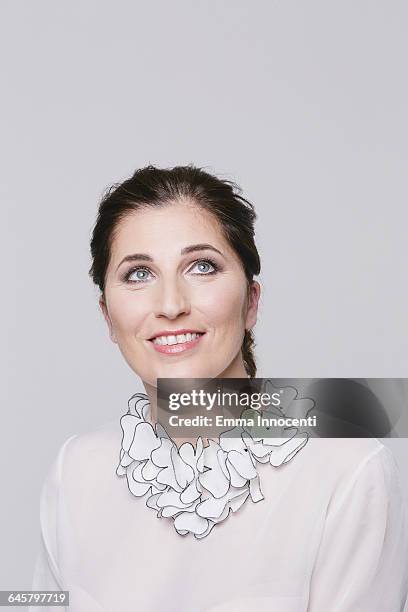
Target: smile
(173, 345)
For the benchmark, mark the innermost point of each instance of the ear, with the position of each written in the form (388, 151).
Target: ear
(253, 302)
(107, 318)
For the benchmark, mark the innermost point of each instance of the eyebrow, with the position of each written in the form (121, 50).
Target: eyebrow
(189, 249)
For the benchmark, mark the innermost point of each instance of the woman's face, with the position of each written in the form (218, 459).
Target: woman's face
(160, 281)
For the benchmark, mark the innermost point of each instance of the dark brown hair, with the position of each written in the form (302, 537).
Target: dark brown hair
(151, 186)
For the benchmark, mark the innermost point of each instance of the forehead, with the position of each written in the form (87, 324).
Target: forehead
(166, 230)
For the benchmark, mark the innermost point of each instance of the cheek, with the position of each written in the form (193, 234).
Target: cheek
(225, 307)
(126, 313)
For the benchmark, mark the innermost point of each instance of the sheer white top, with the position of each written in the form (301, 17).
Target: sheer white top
(331, 535)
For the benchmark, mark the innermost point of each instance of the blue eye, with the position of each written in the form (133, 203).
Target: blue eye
(136, 270)
(207, 262)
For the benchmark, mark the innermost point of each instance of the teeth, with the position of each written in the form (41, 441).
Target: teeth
(179, 339)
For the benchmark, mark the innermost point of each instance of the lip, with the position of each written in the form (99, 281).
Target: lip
(176, 349)
(175, 332)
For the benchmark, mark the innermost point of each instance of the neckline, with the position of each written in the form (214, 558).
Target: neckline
(195, 485)
(146, 414)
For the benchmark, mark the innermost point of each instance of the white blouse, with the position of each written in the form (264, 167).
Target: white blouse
(330, 535)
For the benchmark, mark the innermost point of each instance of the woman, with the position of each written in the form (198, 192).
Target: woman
(135, 520)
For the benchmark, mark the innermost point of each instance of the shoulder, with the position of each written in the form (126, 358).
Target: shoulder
(91, 454)
(102, 438)
(343, 453)
(339, 459)
(357, 473)
(81, 462)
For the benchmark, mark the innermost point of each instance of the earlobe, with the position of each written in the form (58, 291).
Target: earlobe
(253, 302)
(107, 318)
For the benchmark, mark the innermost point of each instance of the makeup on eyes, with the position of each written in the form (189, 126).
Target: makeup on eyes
(216, 268)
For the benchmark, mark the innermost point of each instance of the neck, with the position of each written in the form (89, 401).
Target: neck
(236, 369)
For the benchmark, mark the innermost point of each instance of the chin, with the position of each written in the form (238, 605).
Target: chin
(185, 370)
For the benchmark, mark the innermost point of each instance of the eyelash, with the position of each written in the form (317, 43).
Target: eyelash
(129, 273)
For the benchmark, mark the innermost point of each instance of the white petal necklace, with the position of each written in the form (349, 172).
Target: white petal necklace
(197, 486)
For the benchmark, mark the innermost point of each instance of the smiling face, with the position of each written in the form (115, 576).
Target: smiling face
(175, 286)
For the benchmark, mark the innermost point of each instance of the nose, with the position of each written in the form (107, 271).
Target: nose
(172, 300)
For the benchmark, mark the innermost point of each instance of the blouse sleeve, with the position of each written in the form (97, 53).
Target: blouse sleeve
(47, 575)
(362, 561)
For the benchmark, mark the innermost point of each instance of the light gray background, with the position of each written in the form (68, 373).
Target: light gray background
(302, 103)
